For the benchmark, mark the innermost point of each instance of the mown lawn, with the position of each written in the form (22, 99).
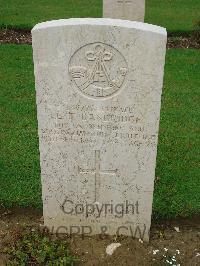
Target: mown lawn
(178, 190)
(19, 160)
(178, 161)
(175, 15)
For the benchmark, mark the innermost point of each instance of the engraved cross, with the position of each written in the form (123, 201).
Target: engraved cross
(124, 2)
(98, 172)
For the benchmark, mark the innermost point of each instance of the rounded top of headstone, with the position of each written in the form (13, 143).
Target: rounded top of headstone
(100, 22)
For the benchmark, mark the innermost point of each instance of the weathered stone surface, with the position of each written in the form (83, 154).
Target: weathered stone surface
(124, 9)
(98, 84)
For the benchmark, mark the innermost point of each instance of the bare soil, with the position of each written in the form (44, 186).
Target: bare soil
(166, 244)
(15, 36)
(24, 37)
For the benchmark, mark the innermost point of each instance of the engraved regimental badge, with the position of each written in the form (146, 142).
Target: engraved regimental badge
(98, 70)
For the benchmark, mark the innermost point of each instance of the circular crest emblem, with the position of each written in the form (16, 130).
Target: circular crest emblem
(98, 70)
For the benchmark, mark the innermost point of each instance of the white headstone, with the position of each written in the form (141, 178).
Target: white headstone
(98, 84)
(124, 9)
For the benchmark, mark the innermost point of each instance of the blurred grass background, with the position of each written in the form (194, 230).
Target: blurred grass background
(175, 15)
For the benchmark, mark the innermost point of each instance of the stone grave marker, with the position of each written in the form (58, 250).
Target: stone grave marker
(124, 9)
(98, 88)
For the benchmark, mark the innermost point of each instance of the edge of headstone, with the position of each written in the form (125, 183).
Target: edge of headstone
(100, 22)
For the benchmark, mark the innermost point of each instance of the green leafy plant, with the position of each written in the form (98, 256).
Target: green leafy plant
(39, 248)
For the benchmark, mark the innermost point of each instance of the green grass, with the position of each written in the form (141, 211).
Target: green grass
(178, 161)
(27, 13)
(19, 160)
(177, 192)
(175, 15)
